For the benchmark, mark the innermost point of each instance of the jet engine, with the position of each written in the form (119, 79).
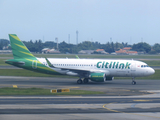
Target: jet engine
(99, 77)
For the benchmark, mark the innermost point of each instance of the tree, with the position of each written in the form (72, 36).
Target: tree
(142, 47)
(156, 47)
(1, 46)
(118, 46)
(109, 47)
(3, 42)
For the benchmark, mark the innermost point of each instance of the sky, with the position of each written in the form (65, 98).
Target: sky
(130, 21)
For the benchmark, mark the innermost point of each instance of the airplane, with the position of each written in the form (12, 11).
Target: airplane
(97, 70)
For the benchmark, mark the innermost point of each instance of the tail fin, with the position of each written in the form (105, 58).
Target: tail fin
(19, 50)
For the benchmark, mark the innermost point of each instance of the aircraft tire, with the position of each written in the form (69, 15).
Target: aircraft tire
(79, 81)
(133, 83)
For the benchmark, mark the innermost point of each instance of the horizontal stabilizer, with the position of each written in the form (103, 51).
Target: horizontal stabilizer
(14, 62)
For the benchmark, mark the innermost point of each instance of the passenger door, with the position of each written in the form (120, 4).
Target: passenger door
(133, 69)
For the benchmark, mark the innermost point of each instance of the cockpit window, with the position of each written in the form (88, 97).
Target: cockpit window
(144, 66)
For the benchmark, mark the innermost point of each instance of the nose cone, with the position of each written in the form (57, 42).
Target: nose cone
(151, 71)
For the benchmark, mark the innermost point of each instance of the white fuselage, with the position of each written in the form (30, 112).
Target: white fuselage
(111, 67)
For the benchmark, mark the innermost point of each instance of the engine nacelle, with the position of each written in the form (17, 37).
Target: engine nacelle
(109, 78)
(100, 77)
(97, 77)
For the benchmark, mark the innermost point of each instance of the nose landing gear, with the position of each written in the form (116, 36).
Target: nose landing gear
(133, 81)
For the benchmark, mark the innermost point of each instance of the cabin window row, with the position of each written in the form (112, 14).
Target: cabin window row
(72, 65)
(144, 66)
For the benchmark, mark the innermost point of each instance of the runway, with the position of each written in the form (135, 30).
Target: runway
(121, 100)
(81, 107)
(76, 105)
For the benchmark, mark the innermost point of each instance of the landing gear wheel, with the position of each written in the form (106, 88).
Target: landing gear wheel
(79, 81)
(85, 80)
(133, 82)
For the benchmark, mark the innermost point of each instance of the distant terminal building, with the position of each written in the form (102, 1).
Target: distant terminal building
(101, 51)
(98, 51)
(5, 51)
(51, 51)
(127, 48)
(86, 52)
(126, 51)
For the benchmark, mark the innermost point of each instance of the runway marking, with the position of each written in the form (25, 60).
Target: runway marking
(15, 86)
(53, 106)
(126, 90)
(21, 85)
(45, 86)
(27, 97)
(142, 100)
(111, 109)
(104, 106)
(133, 106)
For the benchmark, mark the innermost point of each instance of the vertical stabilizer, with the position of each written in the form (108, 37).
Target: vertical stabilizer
(19, 50)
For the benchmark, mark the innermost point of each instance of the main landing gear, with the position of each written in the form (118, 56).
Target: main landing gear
(133, 81)
(85, 80)
(79, 81)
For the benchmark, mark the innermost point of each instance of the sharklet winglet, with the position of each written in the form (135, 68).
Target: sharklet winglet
(48, 62)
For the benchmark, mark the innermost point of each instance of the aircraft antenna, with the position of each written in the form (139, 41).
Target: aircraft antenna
(57, 42)
(77, 36)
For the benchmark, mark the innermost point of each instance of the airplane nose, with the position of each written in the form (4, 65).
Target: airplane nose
(152, 71)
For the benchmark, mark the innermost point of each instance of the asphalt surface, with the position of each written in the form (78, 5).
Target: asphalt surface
(76, 105)
(146, 107)
(115, 87)
(121, 100)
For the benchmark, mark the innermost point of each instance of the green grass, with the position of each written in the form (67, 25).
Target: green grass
(6, 55)
(2, 62)
(92, 56)
(152, 62)
(41, 91)
(99, 56)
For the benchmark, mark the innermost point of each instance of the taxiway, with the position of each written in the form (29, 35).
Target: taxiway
(121, 100)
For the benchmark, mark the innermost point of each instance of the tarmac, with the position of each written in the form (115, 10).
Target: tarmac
(121, 100)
